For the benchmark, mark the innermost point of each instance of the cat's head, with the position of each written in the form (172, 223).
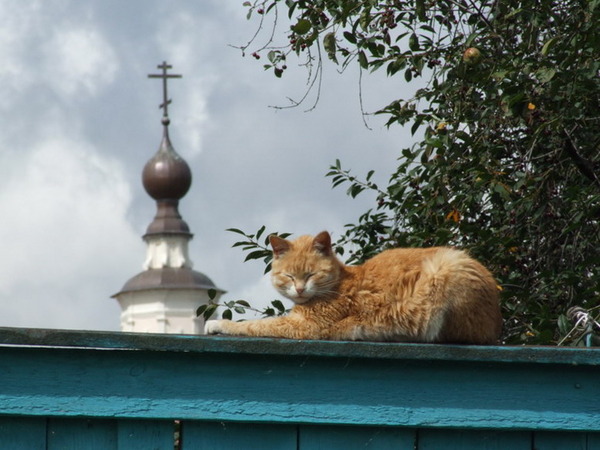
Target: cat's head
(305, 268)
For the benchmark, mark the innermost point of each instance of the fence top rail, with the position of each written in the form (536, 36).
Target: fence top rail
(106, 340)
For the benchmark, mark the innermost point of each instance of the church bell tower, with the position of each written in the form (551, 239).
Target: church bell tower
(165, 296)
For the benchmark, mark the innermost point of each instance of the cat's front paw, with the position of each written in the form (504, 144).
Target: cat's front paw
(214, 327)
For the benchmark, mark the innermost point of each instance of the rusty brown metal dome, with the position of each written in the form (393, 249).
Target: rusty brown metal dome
(167, 178)
(166, 175)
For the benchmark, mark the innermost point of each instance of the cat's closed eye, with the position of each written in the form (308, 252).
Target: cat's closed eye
(304, 277)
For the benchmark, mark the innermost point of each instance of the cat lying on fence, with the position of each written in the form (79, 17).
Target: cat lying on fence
(434, 294)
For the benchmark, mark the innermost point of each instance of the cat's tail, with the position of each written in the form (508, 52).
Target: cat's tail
(447, 263)
(432, 287)
(464, 297)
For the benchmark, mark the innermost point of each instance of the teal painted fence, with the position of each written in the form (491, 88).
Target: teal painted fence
(92, 390)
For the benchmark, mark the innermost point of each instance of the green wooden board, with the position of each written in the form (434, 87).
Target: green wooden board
(297, 389)
(474, 440)
(23, 433)
(237, 436)
(593, 441)
(289, 347)
(355, 438)
(554, 440)
(78, 434)
(146, 434)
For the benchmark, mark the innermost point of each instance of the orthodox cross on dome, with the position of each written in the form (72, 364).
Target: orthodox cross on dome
(164, 75)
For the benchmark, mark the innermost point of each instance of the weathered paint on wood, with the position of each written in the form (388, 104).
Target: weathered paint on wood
(145, 434)
(593, 441)
(355, 438)
(69, 389)
(290, 347)
(552, 440)
(222, 435)
(76, 434)
(297, 389)
(23, 433)
(474, 439)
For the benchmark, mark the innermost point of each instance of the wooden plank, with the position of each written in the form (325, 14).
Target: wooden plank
(553, 440)
(266, 346)
(23, 433)
(355, 438)
(146, 434)
(77, 434)
(236, 436)
(593, 441)
(220, 344)
(473, 440)
(298, 389)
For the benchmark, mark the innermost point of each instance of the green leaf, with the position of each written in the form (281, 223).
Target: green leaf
(278, 305)
(301, 27)
(464, 136)
(201, 310)
(350, 37)
(362, 60)
(395, 66)
(267, 269)
(365, 18)
(563, 324)
(291, 4)
(499, 75)
(413, 42)
(257, 254)
(545, 74)
(421, 10)
(416, 124)
(513, 13)
(206, 311)
(501, 189)
(470, 40)
(330, 46)
(227, 314)
(236, 230)
(260, 232)
(354, 190)
(549, 43)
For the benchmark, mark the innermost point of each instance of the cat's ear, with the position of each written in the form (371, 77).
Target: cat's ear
(279, 245)
(322, 243)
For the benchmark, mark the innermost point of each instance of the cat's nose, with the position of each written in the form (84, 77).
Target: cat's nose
(299, 290)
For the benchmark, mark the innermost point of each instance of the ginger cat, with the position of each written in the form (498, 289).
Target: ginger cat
(435, 294)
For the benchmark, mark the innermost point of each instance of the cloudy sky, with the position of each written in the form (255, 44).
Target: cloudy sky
(79, 119)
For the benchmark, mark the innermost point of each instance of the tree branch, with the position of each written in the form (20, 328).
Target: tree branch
(585, 166)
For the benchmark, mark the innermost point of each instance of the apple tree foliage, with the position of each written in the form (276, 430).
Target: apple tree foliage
(507, 129)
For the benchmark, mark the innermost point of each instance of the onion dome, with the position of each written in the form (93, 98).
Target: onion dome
(167, 178)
